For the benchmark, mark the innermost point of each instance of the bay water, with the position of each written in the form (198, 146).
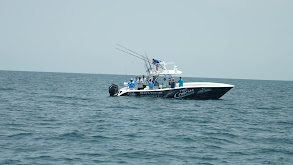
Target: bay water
(69, 118)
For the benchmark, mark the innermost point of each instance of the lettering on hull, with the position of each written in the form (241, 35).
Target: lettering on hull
(183, 93)
(146, 93)
(151, 93)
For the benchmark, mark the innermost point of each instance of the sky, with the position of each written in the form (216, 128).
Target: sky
(243, 39)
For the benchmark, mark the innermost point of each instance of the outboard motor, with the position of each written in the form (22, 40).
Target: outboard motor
(113, 89)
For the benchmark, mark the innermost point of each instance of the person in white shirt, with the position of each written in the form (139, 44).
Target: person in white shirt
(145, 81)
(165, 84)
(140, 84)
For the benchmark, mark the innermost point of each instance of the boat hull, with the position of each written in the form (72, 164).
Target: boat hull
(185, 93)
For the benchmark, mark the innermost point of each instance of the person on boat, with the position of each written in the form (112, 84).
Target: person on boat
(145, 81)
(155, 82)
(131, 84)
(180, 81)
(151, 84)
(140, 84)
(135, 80)
(173, 84)
(165, 84)
(156, 62)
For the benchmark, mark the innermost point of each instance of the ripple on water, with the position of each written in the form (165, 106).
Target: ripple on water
(74, 135)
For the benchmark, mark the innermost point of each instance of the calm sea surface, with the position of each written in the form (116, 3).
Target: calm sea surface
(61, 118)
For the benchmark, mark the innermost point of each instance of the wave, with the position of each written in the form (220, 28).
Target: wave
(75, 135)
(6, 89)
(20, 135)
(69, 97)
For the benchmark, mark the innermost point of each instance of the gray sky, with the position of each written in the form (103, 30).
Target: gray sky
(248, 39)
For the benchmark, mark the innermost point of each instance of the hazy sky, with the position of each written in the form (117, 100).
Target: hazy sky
(248, 39)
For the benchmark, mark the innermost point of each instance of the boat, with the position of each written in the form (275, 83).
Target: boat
(189, 90)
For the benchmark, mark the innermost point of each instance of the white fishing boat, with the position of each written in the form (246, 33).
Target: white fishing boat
(189, 90)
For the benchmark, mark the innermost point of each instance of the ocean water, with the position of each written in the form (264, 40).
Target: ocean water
(62, 118)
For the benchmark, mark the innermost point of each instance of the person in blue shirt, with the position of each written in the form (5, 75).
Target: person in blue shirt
(151, 84)
(131, 84)
(135, 80)
(156, 62)
(155, 82)
(180, 81)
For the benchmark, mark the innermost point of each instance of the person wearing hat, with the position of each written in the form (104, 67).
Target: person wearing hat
(131, 84)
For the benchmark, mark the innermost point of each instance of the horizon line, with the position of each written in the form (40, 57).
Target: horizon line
(136, 74)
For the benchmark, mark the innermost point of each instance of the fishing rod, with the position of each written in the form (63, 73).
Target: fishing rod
(146, 69)
(132, 51)
(148, 60)
(145, 58)
(132, 55)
